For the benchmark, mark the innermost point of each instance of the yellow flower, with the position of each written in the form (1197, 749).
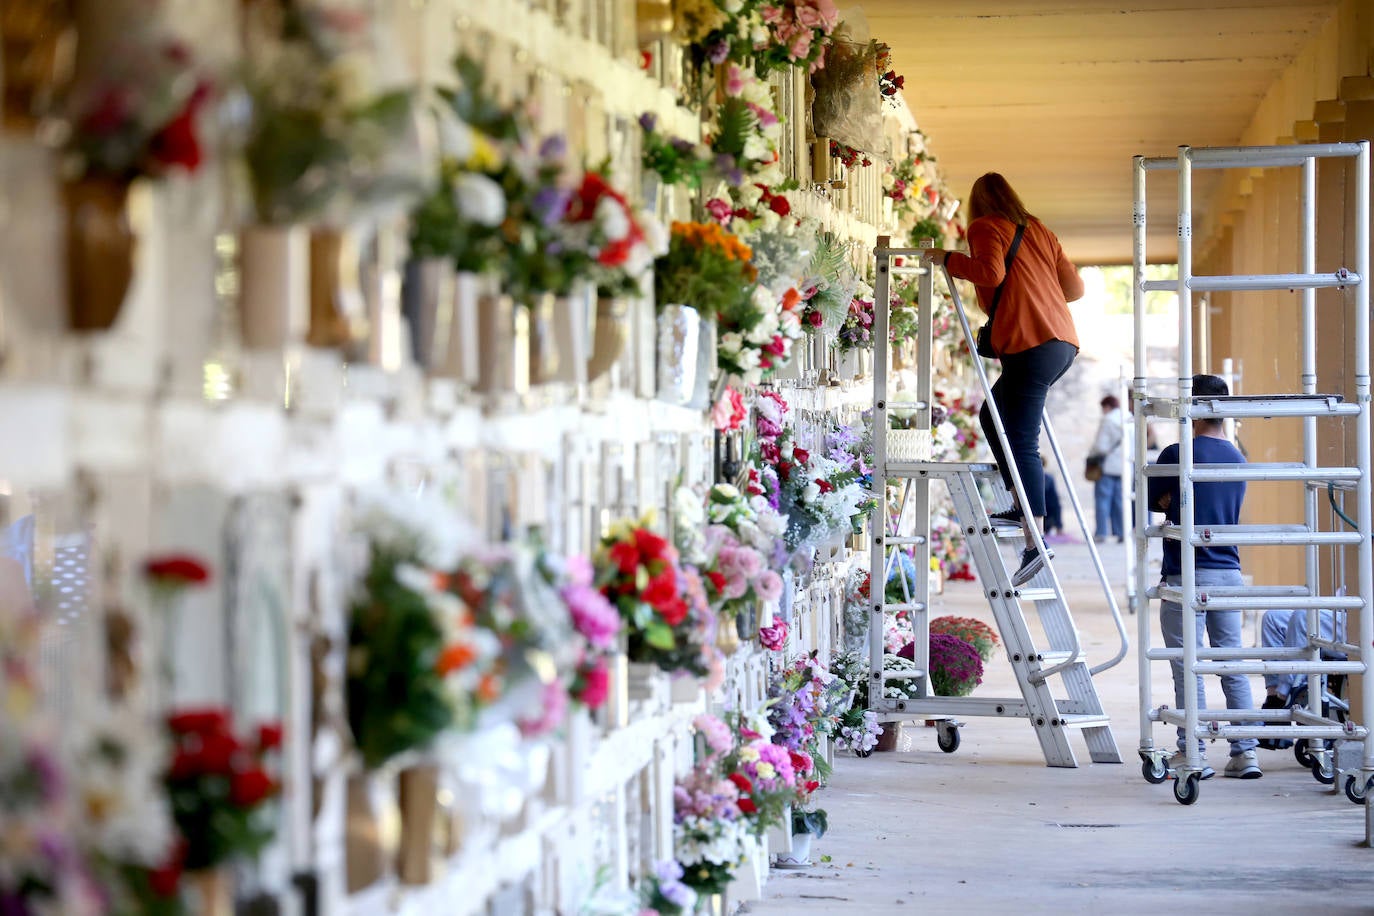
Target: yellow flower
(486, 155)
(765, 771)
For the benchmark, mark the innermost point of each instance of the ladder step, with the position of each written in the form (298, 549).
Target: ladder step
(1036, 594)
(1250, 535)
(892, 540)
(1240, 591)
(1257, 471)
(1261, 599)
(1252, 666)
(1256, 282)
(940, 469)
(1085, 720)
(909, 674)
(1056, 657)
(1266, 405)
(912, 607)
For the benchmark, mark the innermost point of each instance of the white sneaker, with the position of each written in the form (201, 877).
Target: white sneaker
(1244, 765)
(1179, 760)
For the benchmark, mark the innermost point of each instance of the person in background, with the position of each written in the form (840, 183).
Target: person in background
(1107, 488)
(1215, 503)
(1289, 628)
(1017, 261)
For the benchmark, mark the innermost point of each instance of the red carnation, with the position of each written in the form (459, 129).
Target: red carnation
(717, 580)
(176, 569)
(249, 788)
(269, 736)
(651, 546)
(596, 685)
(176, 144)
(801, 455)
(199, 721)
(747, 806)
(674, 612)
(815, 318)
(741, 782)
(164, 880)
(661, 590)
(217, 752)
(812, 786)
(777, 346)
(825, 485)
(800, 762)
(780, 205)
(625, 556)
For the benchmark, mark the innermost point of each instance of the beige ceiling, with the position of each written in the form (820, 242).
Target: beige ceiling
(1058, 95)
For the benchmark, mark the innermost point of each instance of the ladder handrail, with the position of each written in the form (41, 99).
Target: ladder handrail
(1028, 521)
(1093, 552)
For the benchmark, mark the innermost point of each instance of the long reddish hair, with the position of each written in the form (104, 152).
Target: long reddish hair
(992, 195)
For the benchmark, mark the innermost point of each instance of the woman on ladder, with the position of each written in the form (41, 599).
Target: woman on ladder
(1025, 283)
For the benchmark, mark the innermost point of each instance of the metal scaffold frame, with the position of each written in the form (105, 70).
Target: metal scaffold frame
(1314, 730)
(1062, 653)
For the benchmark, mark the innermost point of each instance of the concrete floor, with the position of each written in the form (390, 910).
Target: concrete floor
(991, 829)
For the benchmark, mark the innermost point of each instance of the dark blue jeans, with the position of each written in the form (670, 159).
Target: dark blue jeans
(1020, 395)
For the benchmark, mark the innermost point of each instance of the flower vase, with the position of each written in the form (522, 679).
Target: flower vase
(747, 623)
(100, 251)
(703, 394)
(364, 858)
(544, 365)
(800, 854)
(503, 335)
(417, 796)
(891, 738)
(727, 636)
(427, 298)
(214, 891)
(334, 287)
(847, 365)
(608, 340)
(274, 286)
(678, 353)
(457, 339)
(569, 322)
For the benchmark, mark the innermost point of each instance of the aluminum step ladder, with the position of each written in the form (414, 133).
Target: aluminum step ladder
(1312, 728)
(1058, 652)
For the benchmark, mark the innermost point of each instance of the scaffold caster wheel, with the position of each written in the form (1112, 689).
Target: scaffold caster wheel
(1353, 793)
(1154, 771)
(859, 753)
(1187, 790)
(1301, 752)
(1322, 770)
(948, 740)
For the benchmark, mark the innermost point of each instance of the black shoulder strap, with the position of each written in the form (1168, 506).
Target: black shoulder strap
(1011, 256)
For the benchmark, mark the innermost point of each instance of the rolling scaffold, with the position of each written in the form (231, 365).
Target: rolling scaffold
(1035, 658)
(1335, 749)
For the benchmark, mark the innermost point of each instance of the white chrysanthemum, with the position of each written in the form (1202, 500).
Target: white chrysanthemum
(615, 222)
(757, 149)
(480, 199)
(731, 343)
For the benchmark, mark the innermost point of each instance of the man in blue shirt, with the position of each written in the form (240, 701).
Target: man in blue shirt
(1214, 503)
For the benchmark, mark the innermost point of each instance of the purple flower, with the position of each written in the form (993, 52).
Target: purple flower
(549, 204)
(718, 52)
(648, 121)
(553, 148)
(681, 145)
(45, 768)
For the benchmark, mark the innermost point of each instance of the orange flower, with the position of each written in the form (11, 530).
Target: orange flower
(790, 300)
(455, 657)
(488, 689)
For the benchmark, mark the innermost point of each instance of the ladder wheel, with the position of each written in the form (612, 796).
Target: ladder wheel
(1303, 755)
(1322, 770)
(1154, 772)
(1187, 790)
(1355, 795)
(948, 740)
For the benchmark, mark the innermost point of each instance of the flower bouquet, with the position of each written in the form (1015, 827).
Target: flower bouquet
(745, 136)
(600, 220)
(673, 159)
(706, 268)
(766, 778)
(729, 413)
(798, 32)
(218, 785)
(598, 623)
(757, 335)
(856, 331)
(736, 575)
(663, 606)
(666, 892)
(858, 728)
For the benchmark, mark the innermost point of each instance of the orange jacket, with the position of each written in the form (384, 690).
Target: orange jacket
(1042, 281)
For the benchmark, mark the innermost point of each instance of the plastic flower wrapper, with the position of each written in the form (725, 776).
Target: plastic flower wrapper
(783, 253)
(829, 285)
(690, 517)
(849, 103)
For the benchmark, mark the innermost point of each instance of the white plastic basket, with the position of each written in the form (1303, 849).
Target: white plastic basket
(908, 445)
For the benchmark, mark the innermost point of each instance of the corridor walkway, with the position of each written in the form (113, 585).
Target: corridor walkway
(990, 829)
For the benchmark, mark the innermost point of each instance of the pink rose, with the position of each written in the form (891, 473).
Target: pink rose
(769, 586)
(734, 80)
(809, 16)
(596, 685)
(801, 46)
(720, 210)
(771, 14)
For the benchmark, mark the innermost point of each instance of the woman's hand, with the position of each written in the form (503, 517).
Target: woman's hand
(931, 255)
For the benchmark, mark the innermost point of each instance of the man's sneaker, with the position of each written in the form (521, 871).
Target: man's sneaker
(1179, 760)
(1007, 518)
(1032, 561)
(1244, 765)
